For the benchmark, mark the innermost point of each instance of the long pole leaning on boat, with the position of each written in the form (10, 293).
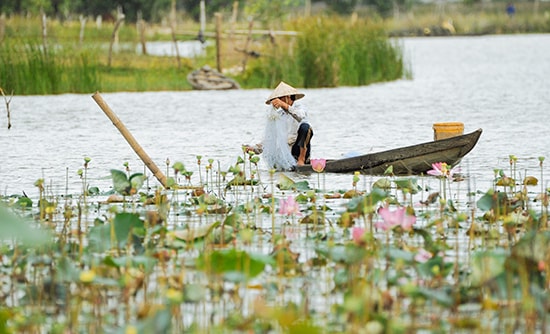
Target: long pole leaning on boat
(130, 139)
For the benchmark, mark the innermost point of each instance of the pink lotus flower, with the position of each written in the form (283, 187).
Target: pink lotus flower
(289, 206)
(318, 165)
(422, 256)
(541, 265)
(357, 234)
(442, 169)
(392, 219)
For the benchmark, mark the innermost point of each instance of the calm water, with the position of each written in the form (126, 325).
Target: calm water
(498, 83)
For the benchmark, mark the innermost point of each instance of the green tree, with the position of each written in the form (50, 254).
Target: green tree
(23, 6)
(149, 9)
(342, 7)
(260, 10)
(11, 6)
(385, 7)
(267, 11)
(192, 7)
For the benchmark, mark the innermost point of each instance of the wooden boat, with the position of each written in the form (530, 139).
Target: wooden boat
(207, 78)
(410, 160)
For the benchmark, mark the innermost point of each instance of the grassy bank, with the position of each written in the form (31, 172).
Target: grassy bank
(327, 51)
(360, 54)
(71, 60)
(478, 19)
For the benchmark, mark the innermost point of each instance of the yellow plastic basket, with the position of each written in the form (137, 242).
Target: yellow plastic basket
(447, 130)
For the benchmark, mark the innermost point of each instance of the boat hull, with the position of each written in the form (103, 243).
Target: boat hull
(410, 160)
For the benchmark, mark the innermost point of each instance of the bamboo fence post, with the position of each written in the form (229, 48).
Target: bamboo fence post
(173, 19)
(307, 8)
(218, 41)
(233, 21)
(130, 139)
(202, 28)
(114, 36)
(141, 30)
(82, 28)
(247, 44)
(44, 30)
(2, 26)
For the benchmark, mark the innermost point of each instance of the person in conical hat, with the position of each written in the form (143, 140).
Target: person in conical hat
(282, 90)
(287, 137)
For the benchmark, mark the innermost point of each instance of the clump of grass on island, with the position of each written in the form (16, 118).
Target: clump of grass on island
(330, 52)
(228, 251)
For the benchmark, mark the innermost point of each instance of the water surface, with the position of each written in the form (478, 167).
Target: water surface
(497, 83)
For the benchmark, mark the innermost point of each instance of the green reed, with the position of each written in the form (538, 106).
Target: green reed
(62, 63)
(30, 67)
(330, 52)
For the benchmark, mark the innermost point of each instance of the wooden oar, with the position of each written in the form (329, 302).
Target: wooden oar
(130, 139)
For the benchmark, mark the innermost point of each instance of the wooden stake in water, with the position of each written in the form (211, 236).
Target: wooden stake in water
(130, 139)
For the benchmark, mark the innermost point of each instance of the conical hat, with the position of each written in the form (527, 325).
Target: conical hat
(284, 89)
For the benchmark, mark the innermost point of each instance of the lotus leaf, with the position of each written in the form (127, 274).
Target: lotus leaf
(14, 227)
(200, 232)
(115, 234)
(487, 265)
(227, 261)
(126, 185)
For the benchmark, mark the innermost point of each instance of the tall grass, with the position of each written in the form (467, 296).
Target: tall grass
(68, 65)
(30, 68)
(331, 52)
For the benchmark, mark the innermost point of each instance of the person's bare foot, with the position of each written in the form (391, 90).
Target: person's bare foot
(301, 157)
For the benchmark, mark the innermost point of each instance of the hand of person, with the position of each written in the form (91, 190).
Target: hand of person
(278, 103)
(249, 148)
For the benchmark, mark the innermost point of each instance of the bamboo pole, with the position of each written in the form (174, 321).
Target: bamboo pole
(130, 139)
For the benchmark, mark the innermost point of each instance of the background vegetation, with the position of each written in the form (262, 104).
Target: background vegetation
(50, 47)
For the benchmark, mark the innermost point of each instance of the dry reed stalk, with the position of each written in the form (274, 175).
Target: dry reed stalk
(7, 101)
